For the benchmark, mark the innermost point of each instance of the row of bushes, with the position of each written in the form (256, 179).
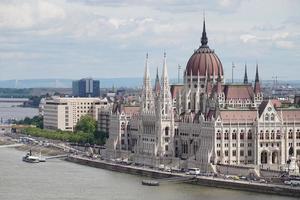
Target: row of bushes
(76, 137)
(85, 131)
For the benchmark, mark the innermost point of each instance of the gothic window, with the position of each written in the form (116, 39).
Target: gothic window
(242, 153)
(249, 135)
(234, 136)
(272, 117)
(241, 135)
(234, 153)
(298, 134)
(218, 153)
(267, 135)
(261, 135)
(167, 131)
(249, 153)
(278, 134)
(267, 117)
(290, 134)
(226, 153)
(272, 135)
(226, 136)
(218, 135)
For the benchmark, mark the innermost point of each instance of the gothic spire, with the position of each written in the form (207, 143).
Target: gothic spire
(157, 83)
(257, 84)
(165, 72)
(245, 76)
(256, 74)
(146, 75)
(204, 39)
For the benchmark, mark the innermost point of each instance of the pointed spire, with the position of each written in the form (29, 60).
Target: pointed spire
(165, 72)
(204, 39)
(256, 74)
(219, 83)
(146, 75)
(245, 76)
(257, 84)
(157, 83)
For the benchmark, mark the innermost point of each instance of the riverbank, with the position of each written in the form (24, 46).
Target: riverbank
(35, 148)
(204, 181)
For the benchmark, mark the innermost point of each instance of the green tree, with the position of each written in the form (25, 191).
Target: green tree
(86, 124)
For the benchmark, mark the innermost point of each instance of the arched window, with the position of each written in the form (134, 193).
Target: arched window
(261, 135)
(298, 134)
(234, 136)
(226, 136)
(218, 135)
(278, 134)
(272, 117)
(290, 134)
(267, 135)
(249, 135)
(167, 131)
(242, 135)
(267, 117)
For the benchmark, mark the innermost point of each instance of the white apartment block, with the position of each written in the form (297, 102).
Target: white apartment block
(63, 113)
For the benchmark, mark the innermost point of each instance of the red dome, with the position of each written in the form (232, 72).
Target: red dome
(204, 58)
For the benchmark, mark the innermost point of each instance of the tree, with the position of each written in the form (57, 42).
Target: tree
(86, 124)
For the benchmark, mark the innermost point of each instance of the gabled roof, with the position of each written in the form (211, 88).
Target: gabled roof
(262, 107)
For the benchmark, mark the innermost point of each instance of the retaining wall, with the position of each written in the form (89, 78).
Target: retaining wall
(220, 183)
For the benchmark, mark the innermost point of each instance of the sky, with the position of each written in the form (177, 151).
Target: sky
(110, 38)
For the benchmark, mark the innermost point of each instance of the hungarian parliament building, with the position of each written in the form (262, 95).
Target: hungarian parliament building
(204, 121)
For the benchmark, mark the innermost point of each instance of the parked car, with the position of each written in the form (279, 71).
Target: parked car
(262, 181)
(193, 171)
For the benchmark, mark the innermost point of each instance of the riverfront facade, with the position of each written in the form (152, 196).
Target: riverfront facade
(205, 121)
(64, 113)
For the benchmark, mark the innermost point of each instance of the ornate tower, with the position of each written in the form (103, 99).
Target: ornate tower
(147, 105)
(258, 95)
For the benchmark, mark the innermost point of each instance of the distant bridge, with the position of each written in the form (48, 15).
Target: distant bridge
(13, 100)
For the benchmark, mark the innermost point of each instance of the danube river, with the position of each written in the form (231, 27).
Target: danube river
(57, 179)
(14, 111)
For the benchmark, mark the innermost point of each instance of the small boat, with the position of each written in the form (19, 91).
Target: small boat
(150, 182)
(33, 159)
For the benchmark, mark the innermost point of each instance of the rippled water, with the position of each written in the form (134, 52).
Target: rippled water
(13, 111)
(58, 179)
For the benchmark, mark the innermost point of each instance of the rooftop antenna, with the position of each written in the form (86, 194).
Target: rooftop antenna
(233, 66)
(16, 83)
(179, 68)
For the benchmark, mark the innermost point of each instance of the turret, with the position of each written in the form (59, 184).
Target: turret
(257, 88)
(147, 95)
(245, 76)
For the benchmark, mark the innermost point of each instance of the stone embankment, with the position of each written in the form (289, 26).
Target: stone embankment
(205, 181)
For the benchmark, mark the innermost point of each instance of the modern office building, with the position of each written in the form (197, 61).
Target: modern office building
(86, 87)
(64, 113)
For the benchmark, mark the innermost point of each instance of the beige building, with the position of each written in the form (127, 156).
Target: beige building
(63, 113)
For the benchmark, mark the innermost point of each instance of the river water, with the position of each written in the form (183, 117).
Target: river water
(61, 180)
(14, 111)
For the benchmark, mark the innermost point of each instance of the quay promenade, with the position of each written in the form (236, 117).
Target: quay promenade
(266, 188)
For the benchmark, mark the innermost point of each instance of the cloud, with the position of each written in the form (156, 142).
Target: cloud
(26, 14)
